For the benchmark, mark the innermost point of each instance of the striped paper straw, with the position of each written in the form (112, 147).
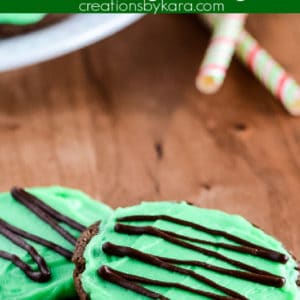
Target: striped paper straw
(219, 53)
(266, 69)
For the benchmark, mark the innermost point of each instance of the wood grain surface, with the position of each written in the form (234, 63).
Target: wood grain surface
(123, 121)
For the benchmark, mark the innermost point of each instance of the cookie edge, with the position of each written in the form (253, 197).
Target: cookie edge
(79, 260)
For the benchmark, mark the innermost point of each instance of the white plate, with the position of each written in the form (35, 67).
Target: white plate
(71, 34)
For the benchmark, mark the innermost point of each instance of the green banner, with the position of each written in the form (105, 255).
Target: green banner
(150, 6)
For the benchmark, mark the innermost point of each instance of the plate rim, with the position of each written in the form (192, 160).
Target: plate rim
(115, 23)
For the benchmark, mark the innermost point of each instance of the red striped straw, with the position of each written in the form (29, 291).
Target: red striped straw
(219, 53)
(266, 69)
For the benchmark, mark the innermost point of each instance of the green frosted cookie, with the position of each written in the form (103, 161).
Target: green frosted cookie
(176, 251)
(12, 24)
(21, 19)
(38, 232)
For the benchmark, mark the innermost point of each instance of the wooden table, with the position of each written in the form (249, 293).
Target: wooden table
(123, 121)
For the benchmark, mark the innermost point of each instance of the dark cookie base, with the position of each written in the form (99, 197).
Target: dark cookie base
(78, 259)
(7, 30)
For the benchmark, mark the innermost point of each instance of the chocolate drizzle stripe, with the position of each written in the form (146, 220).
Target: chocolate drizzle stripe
(19, 196)
(58, 249)
(107, 272)
(49, 216)
(52, 212)
(270, 280)
(122, 251)
(156, 232)
(270, 254)
(43, 274)
(242, 249)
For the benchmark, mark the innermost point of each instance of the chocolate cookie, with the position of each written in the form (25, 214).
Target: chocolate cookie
(39, 228)
(175, 251)
(79, 260)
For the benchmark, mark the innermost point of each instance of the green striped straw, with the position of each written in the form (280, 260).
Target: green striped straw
(266, 69)
(219, 53)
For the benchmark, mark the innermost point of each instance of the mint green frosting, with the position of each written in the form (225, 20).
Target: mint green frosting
(98, 289)
(20, 19)
(14, 284)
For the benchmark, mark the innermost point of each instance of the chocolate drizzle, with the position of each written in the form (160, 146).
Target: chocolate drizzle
(21, 195)
(27, 200)
(17, 235)
(128, 280)
(246, 272)
(43, 274)
(29, 236)
(121, 280)
(159, 233)
(257, 250)
(121, 251)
